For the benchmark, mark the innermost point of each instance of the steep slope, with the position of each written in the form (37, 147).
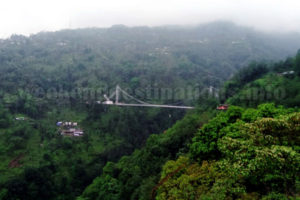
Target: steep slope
(243, 153)
(259, 83)
(240, 154)
(134, 176)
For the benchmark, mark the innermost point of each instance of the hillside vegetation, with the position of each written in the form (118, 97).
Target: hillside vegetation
(261, 82)
(240, 154)
(245, 152)
(144, 153)
(249, 152)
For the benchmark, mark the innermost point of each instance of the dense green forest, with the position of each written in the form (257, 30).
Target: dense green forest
(144, 153)
(262, 82)
(239, 154)
(247, 152)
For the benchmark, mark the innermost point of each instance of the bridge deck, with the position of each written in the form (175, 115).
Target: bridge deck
(152, 105)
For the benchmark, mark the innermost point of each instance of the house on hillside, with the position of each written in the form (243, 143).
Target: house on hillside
(287, 74)
(70, 129)
(20, 118)
(222, 107)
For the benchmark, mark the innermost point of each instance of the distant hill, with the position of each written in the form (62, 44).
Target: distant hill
(138, 57)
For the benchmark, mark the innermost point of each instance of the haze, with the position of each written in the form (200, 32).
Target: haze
(32, 16)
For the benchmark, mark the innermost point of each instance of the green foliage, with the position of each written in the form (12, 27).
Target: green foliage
(268, 110)
(139, 172)
(205, 181)
(252, 72)
(32, 184)
(134, 125)
(270, 85)
(136, 58)
(104, 187)
(5, 118)
(297, 63)
(204, 144)
(38, 163)
(274, 196)
(257, 158)
(250, 115)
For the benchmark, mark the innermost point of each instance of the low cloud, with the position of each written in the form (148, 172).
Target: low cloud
(31, 16)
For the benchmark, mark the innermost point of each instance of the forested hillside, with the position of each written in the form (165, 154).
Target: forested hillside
(72, 67)
(248, 152)
(59, 76)
(240, 154)
(262, 82)
(136, 57)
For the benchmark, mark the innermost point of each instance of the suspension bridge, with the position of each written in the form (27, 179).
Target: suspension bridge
(116, 94)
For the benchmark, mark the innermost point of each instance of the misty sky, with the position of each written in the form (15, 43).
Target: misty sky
(32, 16)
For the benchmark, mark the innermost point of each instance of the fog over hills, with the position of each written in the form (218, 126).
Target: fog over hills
(207, 54)
(33, 16)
